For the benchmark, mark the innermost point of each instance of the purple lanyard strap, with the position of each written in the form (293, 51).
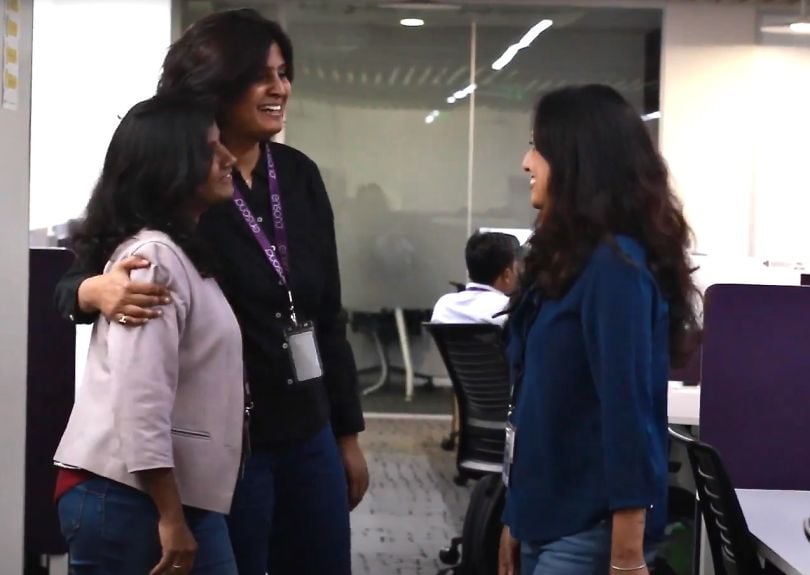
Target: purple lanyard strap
(270, 250)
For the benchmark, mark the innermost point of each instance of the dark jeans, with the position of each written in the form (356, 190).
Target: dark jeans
(112, 529)
(290, 512)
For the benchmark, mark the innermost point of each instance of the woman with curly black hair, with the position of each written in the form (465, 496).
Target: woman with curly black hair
(606, 306)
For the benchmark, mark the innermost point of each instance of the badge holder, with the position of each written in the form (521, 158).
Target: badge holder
(302, 348)
(508, 452)
(305, 358)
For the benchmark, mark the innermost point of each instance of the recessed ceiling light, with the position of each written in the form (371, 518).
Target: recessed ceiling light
(412, 22)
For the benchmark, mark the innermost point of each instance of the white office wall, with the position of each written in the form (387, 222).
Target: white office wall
(707, 102)
(14, 173)
(734, 131)
(780, 133)
(93, 59)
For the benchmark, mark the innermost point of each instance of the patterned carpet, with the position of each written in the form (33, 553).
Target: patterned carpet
(412, 508)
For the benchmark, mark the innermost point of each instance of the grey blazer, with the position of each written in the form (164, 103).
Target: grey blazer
(167, 394)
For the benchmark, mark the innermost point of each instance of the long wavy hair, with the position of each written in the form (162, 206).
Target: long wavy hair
(158, 158)
(607, 179)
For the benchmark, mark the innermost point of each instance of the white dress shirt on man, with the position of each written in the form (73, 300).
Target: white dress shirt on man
(478, 303)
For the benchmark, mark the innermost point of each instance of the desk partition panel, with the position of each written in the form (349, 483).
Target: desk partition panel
(755, 383)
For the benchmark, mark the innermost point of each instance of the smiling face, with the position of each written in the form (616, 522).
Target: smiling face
(219, 185)
(539, 172)
(259, 112)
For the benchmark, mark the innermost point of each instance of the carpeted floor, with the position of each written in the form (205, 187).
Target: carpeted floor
(412, 508)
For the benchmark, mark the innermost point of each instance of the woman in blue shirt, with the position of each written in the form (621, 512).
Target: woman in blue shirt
(607, 304)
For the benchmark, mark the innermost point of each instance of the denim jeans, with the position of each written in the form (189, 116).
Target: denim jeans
(586, 553)
(112, 529)
(290, 512)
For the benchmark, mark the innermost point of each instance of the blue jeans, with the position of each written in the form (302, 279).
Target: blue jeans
(586, 553)
(290, 513)
(112, 529)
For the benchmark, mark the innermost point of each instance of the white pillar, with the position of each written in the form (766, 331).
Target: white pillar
(14, 177)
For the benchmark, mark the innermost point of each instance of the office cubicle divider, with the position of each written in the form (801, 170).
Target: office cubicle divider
(51, 375)
(755, 384)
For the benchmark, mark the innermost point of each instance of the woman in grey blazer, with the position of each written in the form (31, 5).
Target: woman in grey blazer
(151, 453)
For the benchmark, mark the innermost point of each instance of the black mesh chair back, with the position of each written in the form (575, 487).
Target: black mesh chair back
(732, 546)
(476, 362)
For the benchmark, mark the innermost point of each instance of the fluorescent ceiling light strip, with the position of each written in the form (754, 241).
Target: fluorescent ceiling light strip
(524, 42)
(800, 27)
(464, 92)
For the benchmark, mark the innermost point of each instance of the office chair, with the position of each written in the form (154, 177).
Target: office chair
(731, 544)
(449, 442)
(476, 363)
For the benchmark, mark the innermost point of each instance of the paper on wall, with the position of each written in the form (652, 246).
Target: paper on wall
(11, 55)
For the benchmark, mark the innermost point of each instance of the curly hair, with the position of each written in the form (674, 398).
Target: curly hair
(607, 179)
(157, 159)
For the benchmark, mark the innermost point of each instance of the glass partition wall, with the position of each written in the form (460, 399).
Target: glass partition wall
(419, 131)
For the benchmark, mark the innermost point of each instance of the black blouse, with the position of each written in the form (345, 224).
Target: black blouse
(285, 412)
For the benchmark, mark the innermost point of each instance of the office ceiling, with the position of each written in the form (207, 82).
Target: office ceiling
(355, 52)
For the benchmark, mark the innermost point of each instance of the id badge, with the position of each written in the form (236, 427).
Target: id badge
(508, 452)
(303, 350)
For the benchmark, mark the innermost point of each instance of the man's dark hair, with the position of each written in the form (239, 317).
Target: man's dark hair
(488, 254)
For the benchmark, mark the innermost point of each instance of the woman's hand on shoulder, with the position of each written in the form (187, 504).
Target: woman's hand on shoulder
(115, 295)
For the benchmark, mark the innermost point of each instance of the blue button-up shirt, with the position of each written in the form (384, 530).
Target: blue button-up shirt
(591, 407)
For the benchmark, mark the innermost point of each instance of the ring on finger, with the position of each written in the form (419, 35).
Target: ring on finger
(122, 319)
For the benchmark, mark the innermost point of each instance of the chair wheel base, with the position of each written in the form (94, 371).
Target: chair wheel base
(449, 556)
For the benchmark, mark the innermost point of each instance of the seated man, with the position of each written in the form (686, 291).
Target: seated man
(492, 269)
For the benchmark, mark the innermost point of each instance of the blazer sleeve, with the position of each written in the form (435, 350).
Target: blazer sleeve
(617, 322)
(144, 365)
(340, 371)
(66, 294)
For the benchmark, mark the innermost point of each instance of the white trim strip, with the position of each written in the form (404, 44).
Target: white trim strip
(409, 416)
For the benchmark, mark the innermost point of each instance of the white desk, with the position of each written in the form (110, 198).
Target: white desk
(683, 403)
(776, 519)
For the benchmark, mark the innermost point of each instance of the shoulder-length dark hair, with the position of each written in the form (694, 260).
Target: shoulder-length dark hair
(157, 159)
(607, 179)
(221, 55)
